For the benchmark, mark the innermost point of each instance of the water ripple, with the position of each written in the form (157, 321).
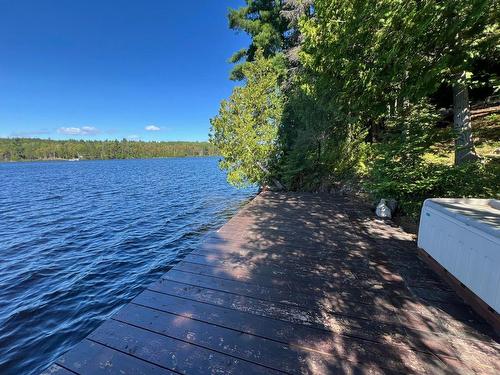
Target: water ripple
(79, 240)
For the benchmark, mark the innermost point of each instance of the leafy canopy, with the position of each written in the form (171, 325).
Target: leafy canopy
(245, 130)
(351, 94)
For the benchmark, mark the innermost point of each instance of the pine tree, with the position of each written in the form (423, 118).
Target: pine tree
(262, 21)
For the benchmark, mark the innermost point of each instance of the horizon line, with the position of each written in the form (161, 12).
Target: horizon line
(101, 140)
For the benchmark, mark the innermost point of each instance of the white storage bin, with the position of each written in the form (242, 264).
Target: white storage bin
(463, 235)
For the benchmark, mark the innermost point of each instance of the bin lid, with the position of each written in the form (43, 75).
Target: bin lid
(483, 214)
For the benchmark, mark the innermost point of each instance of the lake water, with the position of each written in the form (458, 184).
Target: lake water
(79, 240)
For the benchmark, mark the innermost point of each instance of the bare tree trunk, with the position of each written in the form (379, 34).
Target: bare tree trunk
(276, 182)
(462, 125)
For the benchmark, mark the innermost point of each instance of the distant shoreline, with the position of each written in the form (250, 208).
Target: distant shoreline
(37, 149)
(72, 161)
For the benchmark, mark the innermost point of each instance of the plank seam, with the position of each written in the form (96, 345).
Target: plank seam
(287, 343)
(315, 325)
(280, 320)
(131, 355)
(390, 288)
(164, 277)
(64, 367)
(261, 299)
(198, 345)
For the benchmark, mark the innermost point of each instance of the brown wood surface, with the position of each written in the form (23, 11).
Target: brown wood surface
(295, 284)
(477, 304)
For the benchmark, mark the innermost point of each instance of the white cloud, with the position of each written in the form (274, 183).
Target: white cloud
(133, 137)
(84, 130)
(152, 128)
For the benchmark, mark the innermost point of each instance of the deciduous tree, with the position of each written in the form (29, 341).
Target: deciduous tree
(246, 129)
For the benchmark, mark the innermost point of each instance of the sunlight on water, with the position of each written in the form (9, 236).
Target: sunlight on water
(79, 240)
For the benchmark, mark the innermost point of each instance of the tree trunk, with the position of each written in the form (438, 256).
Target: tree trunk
(276, 182)
(373, 131)
(462, 125)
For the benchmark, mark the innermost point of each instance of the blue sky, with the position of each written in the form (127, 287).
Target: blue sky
(149, 69)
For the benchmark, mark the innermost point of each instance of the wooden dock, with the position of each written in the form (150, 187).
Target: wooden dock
(295, 284)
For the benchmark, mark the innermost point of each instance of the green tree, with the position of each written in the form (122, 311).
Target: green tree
(261, 19)
(246, 129)
(371, 57)
(43, 149)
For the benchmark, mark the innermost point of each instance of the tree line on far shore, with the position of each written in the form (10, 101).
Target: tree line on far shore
(23, 149)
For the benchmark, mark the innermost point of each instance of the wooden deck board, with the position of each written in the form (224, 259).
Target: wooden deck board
(296, 336)
(297, 284)
(55, 369)
(241, 345)
(89, 357)
(171, 353)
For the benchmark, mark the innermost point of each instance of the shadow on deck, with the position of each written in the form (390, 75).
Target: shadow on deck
(298, 284)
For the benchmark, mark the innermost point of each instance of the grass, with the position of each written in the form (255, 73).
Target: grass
(486, 135)
(412, 179)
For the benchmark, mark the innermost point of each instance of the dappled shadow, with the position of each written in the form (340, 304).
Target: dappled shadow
(297, 284)
(349, 291)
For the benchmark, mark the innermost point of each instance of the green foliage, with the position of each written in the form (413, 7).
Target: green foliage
(354, 94)
(426, 180)
(317, 148)
(19, 149)
(261, 20)
(372, 52)
(246, 128)
(366, 66)
(402, 169)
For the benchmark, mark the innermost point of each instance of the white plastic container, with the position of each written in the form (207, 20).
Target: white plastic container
(463, 235)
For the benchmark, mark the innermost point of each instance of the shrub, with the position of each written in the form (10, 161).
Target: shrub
(402, 169)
